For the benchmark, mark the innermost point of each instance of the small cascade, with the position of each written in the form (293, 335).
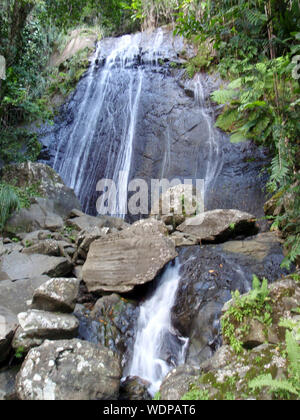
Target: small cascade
(158, 347)
(214, 161)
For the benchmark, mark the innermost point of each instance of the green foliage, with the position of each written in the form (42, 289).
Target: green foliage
(196, 394)
(293, 325)
(199, 63)
(13, 198)
(20, 352)
(152, 13)
(29, 30)
(254, 305)
(157, 396)
(65, 78)
(18, 145)
(9, 202)
(292, 384)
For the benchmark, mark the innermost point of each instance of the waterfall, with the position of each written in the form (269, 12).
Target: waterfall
(108, 110)
(158, 348)
(214, 159)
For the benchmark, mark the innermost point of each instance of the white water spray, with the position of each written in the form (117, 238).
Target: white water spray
(158, 348)
(214, 159)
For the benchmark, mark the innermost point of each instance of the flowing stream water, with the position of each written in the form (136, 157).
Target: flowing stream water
(158, 347)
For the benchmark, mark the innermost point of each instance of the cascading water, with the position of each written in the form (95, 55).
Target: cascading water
(214, 161)
(158, 347)
(106, 110)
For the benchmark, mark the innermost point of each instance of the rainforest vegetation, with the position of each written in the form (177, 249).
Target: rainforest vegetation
(254, 45)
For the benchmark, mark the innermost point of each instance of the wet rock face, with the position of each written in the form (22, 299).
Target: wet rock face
(172, 132)
(69, 370)
(209, 275)
(135, 389)
(111, 323)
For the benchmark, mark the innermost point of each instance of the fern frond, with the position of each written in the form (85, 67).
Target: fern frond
(293, 350)
(226, 120)
(274, 385)
(225, 96)
(238, 138)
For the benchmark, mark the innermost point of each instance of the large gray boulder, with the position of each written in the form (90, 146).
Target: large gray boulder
(178, 203)
(16, 296)
(39, 216)
(219, 225)
(69, 370)
(8, 325)
(7, 383)
(178, 382)
(85, 222)
(37, 326)
(57, 295)
(16, 266)
(119, 262)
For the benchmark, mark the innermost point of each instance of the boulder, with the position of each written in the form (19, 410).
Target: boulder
(16, 266)
(8, 326)
(37, 326)
(56, 295)
(2, 249)
(16, 296)
(69, 370)
(7, 384)
(48, 247)
(135, 389)
(226, 376)
(256, 248)
(251, 332)
(183, 239)
(112, 323)
(47, 183)
(219, 225)
(119, 262)
(29, 239)
(86, 222)
(39, 216)
(209, 274)
(178, 203)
